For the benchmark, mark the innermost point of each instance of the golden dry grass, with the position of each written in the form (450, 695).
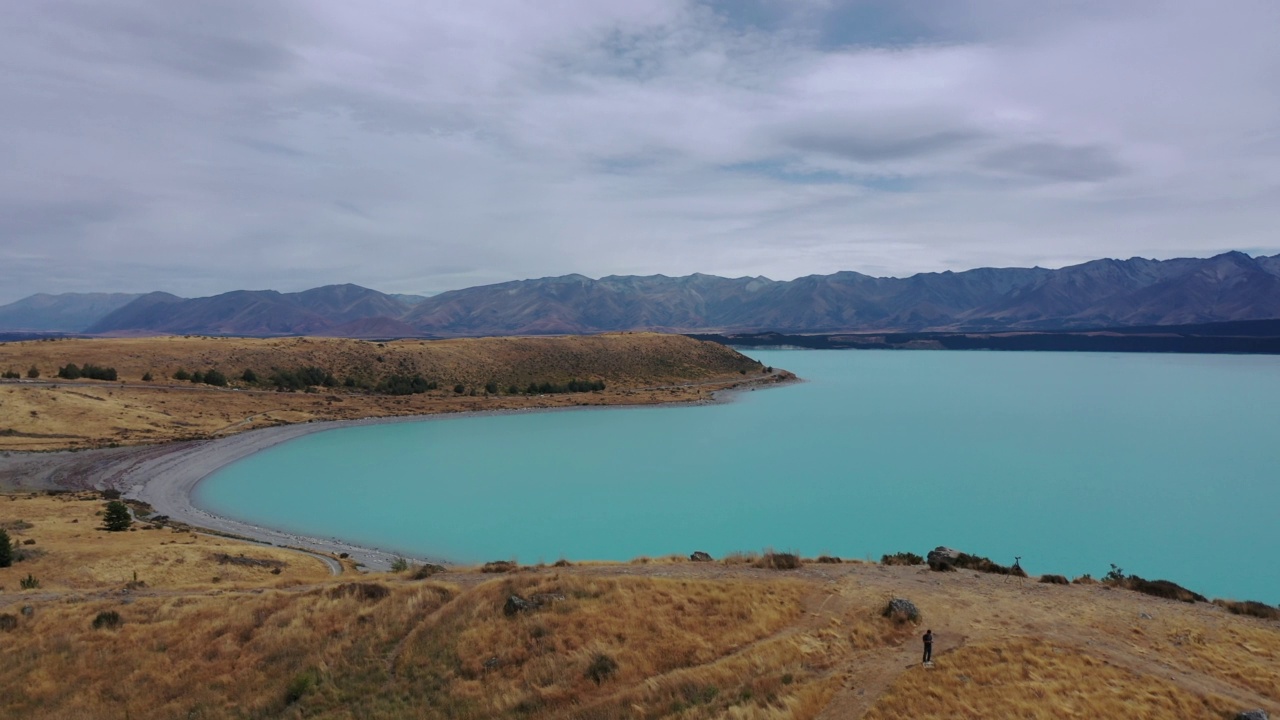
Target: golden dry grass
(72, 553)
(678, 639)
(637, 368)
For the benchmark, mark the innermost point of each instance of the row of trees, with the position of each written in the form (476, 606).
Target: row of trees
(208, 377)
(93, 372)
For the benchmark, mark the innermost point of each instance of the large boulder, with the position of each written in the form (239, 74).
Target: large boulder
(1253, 715)
(700, 556)
(942, 557)
(901, 610)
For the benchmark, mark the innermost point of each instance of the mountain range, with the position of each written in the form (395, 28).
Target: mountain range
(1097, 294)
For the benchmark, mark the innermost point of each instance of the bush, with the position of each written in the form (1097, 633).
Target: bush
(491, 388)
(372, 592)
(572, 386)
(6, 549)
(11, 374)
(601, 667)
(181, 375)
(459, 388)
(399, 565)
(197, 377)
(902, 558)
(8, 623)
(404, 385)
(110, 494)
(779, 561)
(300, 685)
(249, 376)
(93, 372)
(500, 566)
(33, 372)
(147, 377)
(1162, 588)
(1054, 579)
(829, 559)
(286, 380)
(965, 561)
(109, 619)
(1085, 579)
(426, 570)
(1249, 607)
(29, 582)
(213, 377)
(116, 517)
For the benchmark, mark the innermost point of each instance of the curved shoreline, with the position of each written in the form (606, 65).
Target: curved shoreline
(166, 476)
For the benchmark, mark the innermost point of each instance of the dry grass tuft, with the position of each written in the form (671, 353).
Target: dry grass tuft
(1029, 678)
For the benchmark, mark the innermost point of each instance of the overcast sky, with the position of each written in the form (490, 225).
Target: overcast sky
(408, 146)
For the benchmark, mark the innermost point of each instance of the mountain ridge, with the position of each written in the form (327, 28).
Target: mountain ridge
(1231, 286)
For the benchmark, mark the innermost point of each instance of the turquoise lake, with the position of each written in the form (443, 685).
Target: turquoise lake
(1166, 465)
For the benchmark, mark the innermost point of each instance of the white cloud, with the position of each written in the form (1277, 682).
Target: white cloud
(201, 148)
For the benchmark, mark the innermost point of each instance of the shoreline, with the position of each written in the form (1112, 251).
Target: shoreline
(166, 476)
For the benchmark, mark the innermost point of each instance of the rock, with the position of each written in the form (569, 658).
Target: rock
(28, 611)
(942, 557)
(699, 556)
(901, 610)
(516, 604)
(1253, 715)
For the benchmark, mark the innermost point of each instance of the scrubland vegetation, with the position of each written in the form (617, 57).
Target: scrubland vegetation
(108, 392)
(163, 623)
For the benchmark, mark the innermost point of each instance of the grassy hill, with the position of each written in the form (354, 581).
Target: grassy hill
(349, 379)
(207, 628)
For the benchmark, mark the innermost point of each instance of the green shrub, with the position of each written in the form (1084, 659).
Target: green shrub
(147, 377)
(8, 623)
(404, 385)
(116, 517)
(181, 375)
(902, 558)
(109, 619)
(249, 376)
(399, 565)
(213, 377)
(11, 374)
(29, 582)
(33, 372)
(6, 549)
(300, 685)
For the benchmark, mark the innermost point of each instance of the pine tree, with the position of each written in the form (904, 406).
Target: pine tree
(6, 549)
(116, 517)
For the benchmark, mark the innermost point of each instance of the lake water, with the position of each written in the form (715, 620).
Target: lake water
(1167, 465)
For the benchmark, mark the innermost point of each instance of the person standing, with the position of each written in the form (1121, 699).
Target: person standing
(928, 646)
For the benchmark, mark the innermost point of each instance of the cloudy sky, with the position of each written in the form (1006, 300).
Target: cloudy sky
(210, 145)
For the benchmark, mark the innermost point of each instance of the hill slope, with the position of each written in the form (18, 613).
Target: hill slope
(205, 628)
(351, 379)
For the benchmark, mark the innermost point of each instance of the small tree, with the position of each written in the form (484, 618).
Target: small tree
(33, 372)
(117, 517)
(6, 549)
(214, 377)
(249, 376)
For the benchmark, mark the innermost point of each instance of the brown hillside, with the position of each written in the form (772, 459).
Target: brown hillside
(639, 368)
(648, 639)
